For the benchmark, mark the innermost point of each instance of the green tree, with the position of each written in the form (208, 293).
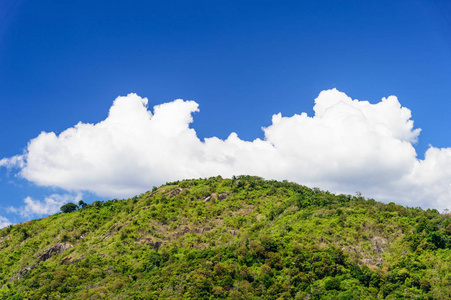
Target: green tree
(436, 239)
(68, 207)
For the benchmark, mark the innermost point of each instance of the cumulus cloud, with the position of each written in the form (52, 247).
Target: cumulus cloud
(48, 206)
(4, 222)
(346, 146)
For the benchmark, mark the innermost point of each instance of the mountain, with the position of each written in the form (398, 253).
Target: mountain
(239, 238)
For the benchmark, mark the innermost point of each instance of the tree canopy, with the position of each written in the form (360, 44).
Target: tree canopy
(68, 207)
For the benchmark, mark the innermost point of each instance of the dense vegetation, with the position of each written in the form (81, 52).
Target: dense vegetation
(239, 238)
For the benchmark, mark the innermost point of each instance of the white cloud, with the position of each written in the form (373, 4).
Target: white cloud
(4, 222)
(347, 146)
(11, 162)
(48, 206)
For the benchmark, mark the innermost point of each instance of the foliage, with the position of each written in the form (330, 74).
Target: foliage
(82, 204)
(68, 207)
(238, 238)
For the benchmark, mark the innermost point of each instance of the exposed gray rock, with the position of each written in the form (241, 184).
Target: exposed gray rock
(231, 231)
(151, 194)
(70, 260)
(57, 249)
(24, 271)
(213, 196)
(201, 230)
(151, 242)
(222, 197)
(174, 192)
(379, 244)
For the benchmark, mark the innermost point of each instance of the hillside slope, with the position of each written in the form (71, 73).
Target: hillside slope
(240, 238)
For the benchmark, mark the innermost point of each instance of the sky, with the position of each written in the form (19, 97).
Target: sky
(106, 99)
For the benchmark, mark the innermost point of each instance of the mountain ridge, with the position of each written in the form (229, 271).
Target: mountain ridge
(237, 238)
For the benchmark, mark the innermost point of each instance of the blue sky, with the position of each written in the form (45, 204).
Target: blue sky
(62, 63)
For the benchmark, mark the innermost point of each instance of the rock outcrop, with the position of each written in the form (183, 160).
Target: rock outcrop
(54, 250)
(151, 242)
(219, 197)
(174, 192)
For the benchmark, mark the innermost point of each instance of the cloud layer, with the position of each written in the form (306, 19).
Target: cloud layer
(347, 146)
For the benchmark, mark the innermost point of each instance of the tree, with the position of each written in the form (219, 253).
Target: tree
(436, 239)
(68, 207)
(97, 203)
(82, 204)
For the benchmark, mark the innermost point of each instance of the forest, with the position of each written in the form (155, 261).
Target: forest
(237, 238)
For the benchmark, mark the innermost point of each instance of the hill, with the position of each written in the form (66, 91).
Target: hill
(239, 238)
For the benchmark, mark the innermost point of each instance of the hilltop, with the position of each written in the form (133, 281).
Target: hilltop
(239, 238)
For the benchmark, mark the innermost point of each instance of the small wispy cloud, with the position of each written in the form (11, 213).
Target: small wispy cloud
(12, 162)
(348, 145)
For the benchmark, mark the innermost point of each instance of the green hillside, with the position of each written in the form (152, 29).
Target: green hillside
(240, 238)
